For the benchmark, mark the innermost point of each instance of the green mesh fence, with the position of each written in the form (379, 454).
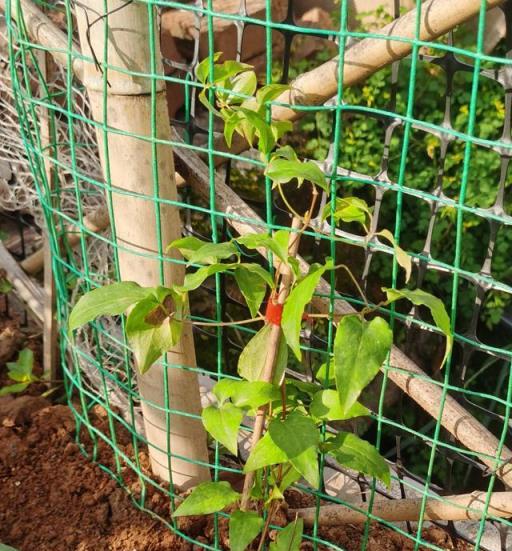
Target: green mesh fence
(425, 141)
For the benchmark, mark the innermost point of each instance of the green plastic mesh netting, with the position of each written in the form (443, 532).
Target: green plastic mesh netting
(425, 140)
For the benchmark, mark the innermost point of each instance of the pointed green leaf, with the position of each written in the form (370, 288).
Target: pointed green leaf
(208, 497)
(223, 423)
(295, 434)
(326, 406)
(360, 348)
(403, 259)
(289, 538)
(348, 209)
(306, 463)
(270, 92)
(244, 526)
(149, 341)
(203, 69)
(13, 389)
(296, 303)
(434, 304)
(265, 452)
(196, 279)
(247, 394)
(351, 451)
(266, 141)
(252, 280)
(211, 253)
(110, 300)
(281, 171)
(286, 440)
(253, 357)
(21, 370)
(187, 245)
(263, 240)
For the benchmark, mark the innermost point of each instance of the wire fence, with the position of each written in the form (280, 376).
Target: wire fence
(425, 141)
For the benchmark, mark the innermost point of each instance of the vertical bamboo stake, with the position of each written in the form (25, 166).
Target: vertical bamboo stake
(129, 167)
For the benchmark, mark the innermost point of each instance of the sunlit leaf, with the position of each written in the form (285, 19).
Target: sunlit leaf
(360, 348)
(353, 452)
(434, 304)
(208, 497)
(223, 423)
(244, 526)
(109, 300)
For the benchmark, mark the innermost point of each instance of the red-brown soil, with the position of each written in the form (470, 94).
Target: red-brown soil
(52, 498)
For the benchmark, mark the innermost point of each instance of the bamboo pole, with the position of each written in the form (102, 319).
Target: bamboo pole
(271, 353)
(128, 164)
(456, 507)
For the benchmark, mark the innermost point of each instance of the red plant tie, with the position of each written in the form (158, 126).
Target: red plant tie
(274, 312)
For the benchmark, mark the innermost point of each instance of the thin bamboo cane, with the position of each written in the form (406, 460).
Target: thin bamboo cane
(141, 223)
(456, 507)
(271, 353)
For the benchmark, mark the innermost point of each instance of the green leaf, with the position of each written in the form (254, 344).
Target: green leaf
(294, 434)
(110, 300)
(353, 452)
(360, 348)
(251, 361)
(322, 373)
(403, 259)
(264, 453)
(211, 253)
(231, 124)
(21, 370)
(266, 141)
(289, 538)
(13, 389)
(5, 286)
(228, 69)
(252, 280)
(326, 406)
(196, 279)
(276, 244)
(252, 357)
(293, 439)
(203, 69)
(244, 526)
(247, 394)
(223, 423)
(296, 303)
(4, 547)
(281, 171)
(280, 128)
(306, 463)
(281, 362)
(434, 304)
(150, 341)
(270, 92)
(245, 84)
(348, 209)
(208, 497)
(187, 245)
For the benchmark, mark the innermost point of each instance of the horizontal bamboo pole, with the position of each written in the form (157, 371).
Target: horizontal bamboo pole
(364, 58)
(456, 507)
(95, 221)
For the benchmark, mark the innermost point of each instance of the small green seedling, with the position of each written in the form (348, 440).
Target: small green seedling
(289, 415)
(20, 371)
